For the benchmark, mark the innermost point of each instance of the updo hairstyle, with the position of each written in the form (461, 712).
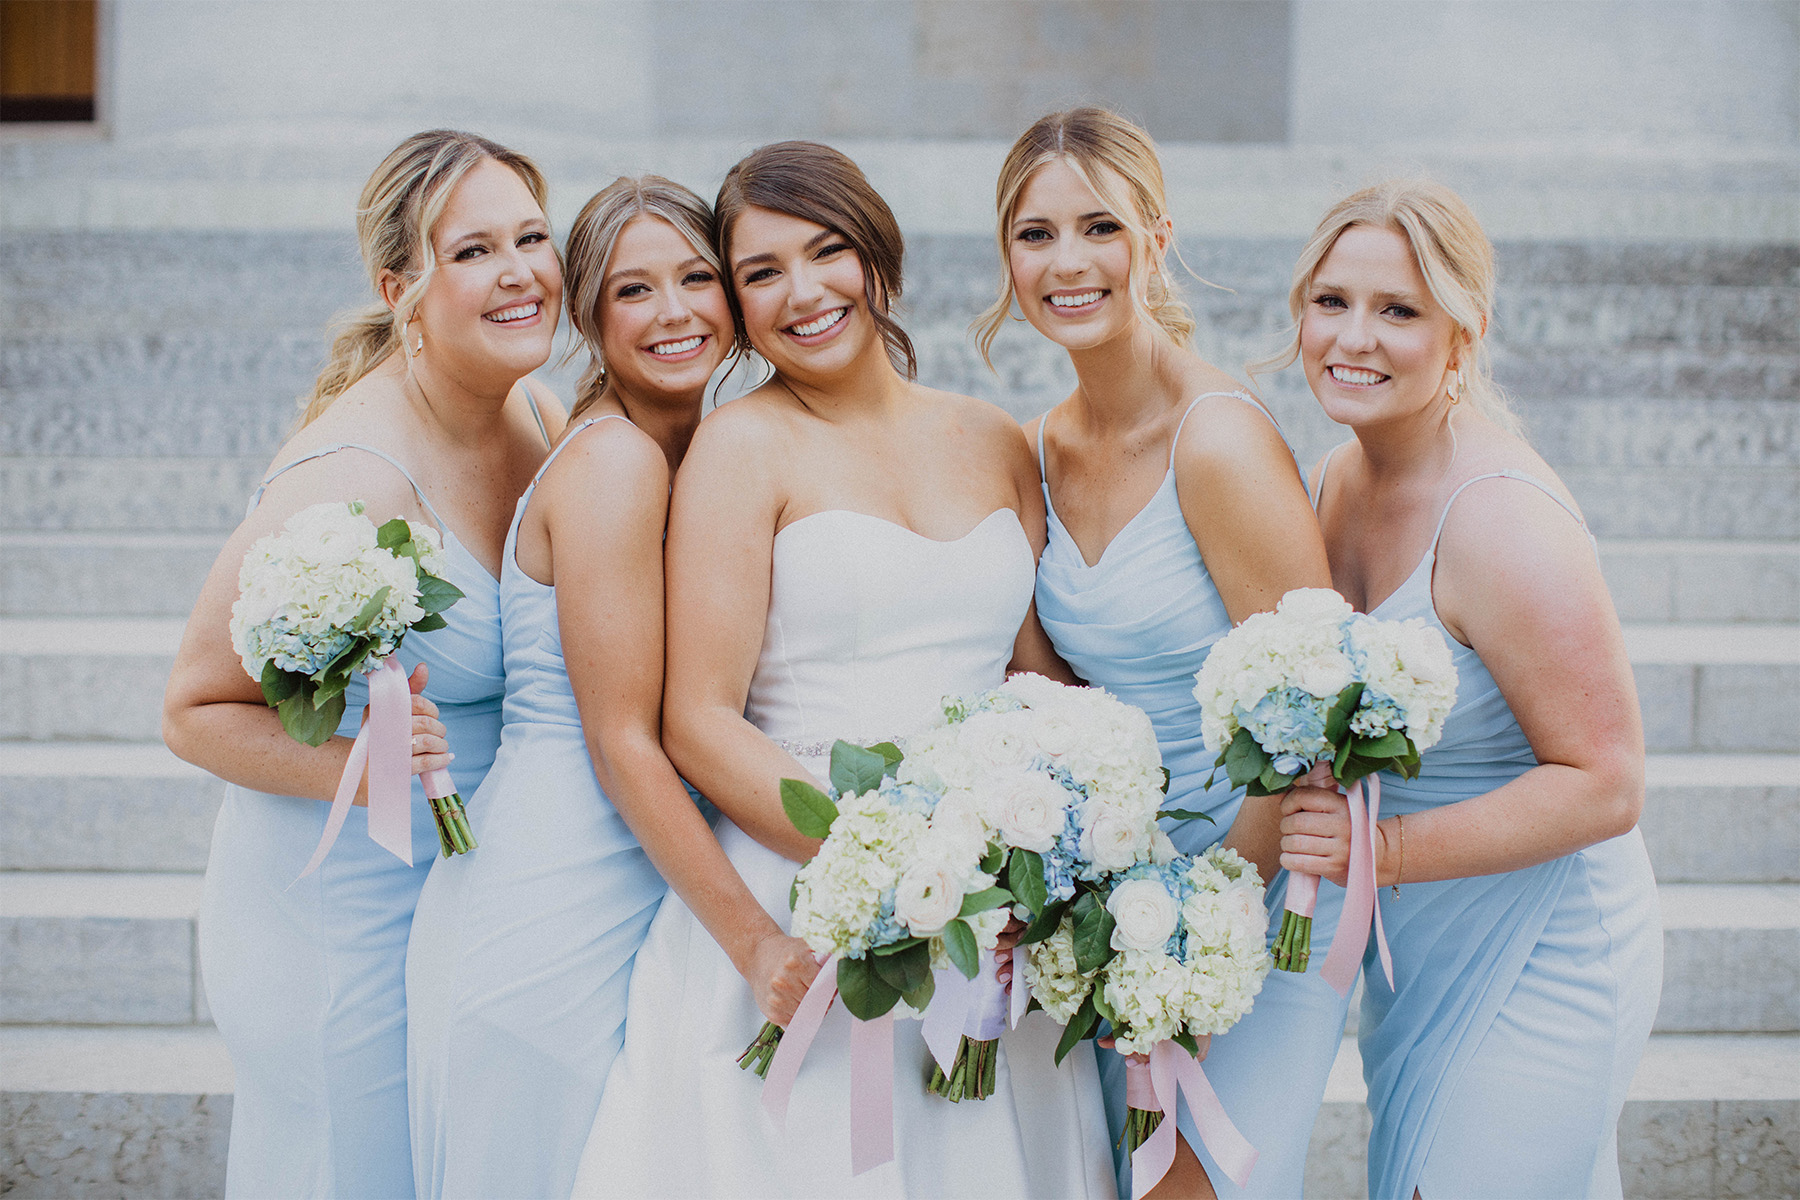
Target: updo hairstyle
(1106, 150)
(821, 185)
(1454, 256)
(591, 240)
(395, 216)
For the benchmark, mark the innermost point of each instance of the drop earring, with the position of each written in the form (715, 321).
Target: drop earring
(419, 346)
(1454, 387)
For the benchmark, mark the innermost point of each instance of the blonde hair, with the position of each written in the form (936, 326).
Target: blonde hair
(591, 240)
(399, 206)
(1104, 149)
(1453, 254)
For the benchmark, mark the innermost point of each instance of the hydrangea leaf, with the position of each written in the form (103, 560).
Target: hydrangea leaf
(1337, 721)
(980, 902)
(889, 752)
(392, 533)
(865, 993)
(1079, 1026)
(811, 810)
(1245, 761)
(370, 611)
(1044, 924)
(278, 685)
(1098, 998)
(1186, 814)
(919, 998)
(428, 622)
(959, 944)
(1391, 744)
(905, 971)
(1025, 876)
(1093, 939)
(855, 769)
(435, 595)
(305, 723)
(994, 859)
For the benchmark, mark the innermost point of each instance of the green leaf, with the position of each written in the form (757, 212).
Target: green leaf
(1340, 763)
(1186, 814)
(1166, 778)
(370, 611)
(1079, 1026)
(1391, 744)
(854, 769)
(980, 902)
(278, 685)
(1337, 721)
(1244, 759)
(904, 944)
(394, 532)
(1186, 1041)
(811, 810)
(891, 753)
(1085, 903)
(1273, 781)
(865, 993)
(905, 971)
(1093, 939)
(920, 997)
(959, 944)
(995, 858)
(435, 595)
(1044, 924)
(1098, 996)
(331, 685)
(305, 723)
(1025, 876)
(428, 622)
(794, 893)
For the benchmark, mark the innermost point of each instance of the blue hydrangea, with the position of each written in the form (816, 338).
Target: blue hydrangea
(909, 798)
(885, 929)
(1288, 721)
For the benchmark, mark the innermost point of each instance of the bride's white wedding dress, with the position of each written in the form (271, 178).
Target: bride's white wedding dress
(869, 626)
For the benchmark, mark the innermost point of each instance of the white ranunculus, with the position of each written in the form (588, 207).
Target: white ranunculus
(1111, 840)
(1324, 675)
(1028, 809)
(927, 898)
(1321, 605)
(1145, 913)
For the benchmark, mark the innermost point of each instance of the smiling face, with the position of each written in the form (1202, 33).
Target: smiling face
(1070, 260)
(800, 288)
(1375, 344)
(665, 325)
(490, 307)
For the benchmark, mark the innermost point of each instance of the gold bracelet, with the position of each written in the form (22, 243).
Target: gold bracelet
(1400, 864)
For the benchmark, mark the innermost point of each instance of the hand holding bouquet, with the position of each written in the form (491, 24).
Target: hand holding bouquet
(1316, 682)
(330, 595)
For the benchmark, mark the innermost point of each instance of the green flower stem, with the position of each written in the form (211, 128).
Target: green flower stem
(1139, 1125)
(971, 1075)
(761, 1051)
(454, 835)
(1293, 945)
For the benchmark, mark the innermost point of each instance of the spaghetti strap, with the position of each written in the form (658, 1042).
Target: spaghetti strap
(1246, 397)
(568, 436)
(256, 496)
(1535, 482)
(1318, 488)
(1042, 474)
(531, 398)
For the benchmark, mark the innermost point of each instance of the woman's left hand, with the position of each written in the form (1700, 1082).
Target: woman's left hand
(1003, 949)
(1315, 827)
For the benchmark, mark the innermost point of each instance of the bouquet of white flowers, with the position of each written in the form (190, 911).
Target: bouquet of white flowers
(1064, 784)
(330, 595)
(1184, 958)
(1316, 682)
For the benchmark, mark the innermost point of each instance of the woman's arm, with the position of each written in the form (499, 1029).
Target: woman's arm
(1248, 511)
(721, 543)
(1517, 580)
(603, 506)
(213, 712)
(1032, 649)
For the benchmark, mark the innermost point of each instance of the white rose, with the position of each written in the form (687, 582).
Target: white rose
(927, 898)
(1112, 841)
(1324, 675)
(1145, 913)
(1321, 605)
(1028, 810)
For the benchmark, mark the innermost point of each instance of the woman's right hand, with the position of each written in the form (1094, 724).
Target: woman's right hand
(781, 969)
(430, 743)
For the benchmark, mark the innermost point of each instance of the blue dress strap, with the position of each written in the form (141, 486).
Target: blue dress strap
(256, 496)
(567, 437)
(1246, 397)
(1042, 421)
(1522, 477)
(531, 398)
(1318, 486)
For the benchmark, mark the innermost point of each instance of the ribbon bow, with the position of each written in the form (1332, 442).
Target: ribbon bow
(1154, 1086)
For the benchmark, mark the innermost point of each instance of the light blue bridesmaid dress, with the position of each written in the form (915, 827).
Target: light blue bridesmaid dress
(306, 981)
(521, 951)
(1139, 623)
(1498, 1062)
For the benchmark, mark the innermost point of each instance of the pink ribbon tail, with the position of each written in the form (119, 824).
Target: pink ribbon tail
(384, 746)
(796, 1040)
(1352, 937)
(871, 1093)
(1174, 1073)
(1302, 893)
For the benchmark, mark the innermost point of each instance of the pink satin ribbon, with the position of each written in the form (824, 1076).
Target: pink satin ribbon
(384, 746)
(1154, 1087)
(871, 1071)
(1352, 936)
(961, 1007)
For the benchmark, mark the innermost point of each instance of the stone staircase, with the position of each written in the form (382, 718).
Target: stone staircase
(147, 376)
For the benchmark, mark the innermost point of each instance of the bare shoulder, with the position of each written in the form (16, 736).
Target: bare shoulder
(608, 454)
(1223, 432)
(993, 428)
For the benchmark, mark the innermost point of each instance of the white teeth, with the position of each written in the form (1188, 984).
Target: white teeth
(1356, 375)
(516, 313)
(1075, 301)
(819, 326)
(681, 347)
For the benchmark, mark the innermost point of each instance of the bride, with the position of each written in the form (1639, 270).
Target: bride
(845, 548)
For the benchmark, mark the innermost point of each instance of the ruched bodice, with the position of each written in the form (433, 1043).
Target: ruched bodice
(870, 625)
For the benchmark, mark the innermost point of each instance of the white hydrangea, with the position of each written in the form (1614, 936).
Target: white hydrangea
(1051, 972)
(838, 894)
(1299, 645)
(1409, 663)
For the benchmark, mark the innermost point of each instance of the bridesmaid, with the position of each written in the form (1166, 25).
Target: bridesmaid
(422, 412)
(1523, 918)
(521, 952)
(1175, 511)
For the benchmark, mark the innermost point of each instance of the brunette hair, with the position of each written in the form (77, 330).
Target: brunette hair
(395, 215)
(591, 240)
(1104, 149)
(821, 185)
(1454, 256)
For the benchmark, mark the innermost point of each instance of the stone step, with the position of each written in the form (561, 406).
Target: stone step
(107, 806)
(1715, 1115)
(1709, 688)
(148, 1111)
(1703, 581)
(97, 948)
